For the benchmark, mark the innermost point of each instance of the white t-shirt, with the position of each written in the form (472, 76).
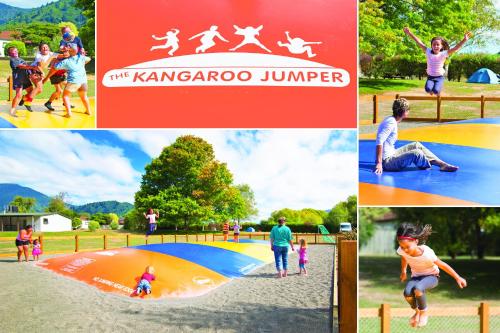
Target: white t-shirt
(236, 229)
(387, 135)
(151, 218)
(435, 62)
(423, 264)
(44, 60)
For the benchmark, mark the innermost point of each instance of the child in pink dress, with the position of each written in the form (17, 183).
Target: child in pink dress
(37, 249)
(302, 257)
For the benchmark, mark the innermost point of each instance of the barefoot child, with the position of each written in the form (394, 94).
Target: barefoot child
(37, 249)
(436, 57)
(146, 279)
(303, 256)
(424, 266)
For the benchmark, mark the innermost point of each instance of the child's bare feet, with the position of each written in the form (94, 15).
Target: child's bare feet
(285, 273)
(67, 115)
(279, 275)
(422, 320)
(415, 319)
(448, 168)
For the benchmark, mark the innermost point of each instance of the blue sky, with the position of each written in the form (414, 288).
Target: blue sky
(294, 168)
(26, 3)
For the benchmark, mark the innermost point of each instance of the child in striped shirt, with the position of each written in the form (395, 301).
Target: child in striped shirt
(436, 57)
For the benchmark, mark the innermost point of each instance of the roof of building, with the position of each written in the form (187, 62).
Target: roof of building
(27, 214)
(6, 35)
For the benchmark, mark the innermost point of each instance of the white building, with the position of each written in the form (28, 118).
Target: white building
(5, 37)
(41, 222)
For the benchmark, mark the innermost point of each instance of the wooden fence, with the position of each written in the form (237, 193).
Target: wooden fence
(347, 285)
(127, 240)
(385, 313)
(482, 99)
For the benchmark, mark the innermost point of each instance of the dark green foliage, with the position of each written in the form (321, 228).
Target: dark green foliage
(54, 12)
(119, 208)
(94, 225)
(87, 31)
(9, 12)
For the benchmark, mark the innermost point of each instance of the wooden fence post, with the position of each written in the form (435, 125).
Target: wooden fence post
(205, 237)
(250, 235)
(105, 242)
(375, 108)
(196, 237)
(264, 236)
(439, 109)
(175, 238)
(213, 237)
(482, 106)
(128, 240)
(146, 241)
(11, 82)
(348, 286)
(315, 238)
(187, 239)
(40, 240)
(162, 239)
(76, 243)
(385, 318)
(484, 316)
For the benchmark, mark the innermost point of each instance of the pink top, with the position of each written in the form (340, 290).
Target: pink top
(27, 236)
(435, 62)
(303, 254)
(148, 277)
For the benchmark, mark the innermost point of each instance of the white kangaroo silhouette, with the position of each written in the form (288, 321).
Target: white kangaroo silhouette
(249, 34)
(207, 39)
(298, 45)
(172, 41)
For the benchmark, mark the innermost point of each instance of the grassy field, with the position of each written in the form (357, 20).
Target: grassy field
(450, 109)
(5, 72)
(379, 283)
(436, 324)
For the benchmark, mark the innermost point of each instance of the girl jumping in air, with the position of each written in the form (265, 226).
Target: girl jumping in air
(424, 265)
(436, 56)
(151, 216)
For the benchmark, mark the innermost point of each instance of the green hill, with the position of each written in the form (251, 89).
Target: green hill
(119, 208)
(54, 12)
(9, 191)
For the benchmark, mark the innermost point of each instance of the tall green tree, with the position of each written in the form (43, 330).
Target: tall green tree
(57, 205)
(87, 32)
(24, 205)
(187, 184)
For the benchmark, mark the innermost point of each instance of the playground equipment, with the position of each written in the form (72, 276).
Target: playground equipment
(448, 319)
(325, 234)
(482, 99)
(473, 145)
(182, 269)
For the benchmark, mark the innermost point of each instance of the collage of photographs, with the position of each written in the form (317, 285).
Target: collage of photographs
(250, 166)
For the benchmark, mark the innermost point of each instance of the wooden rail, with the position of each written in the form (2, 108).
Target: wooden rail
(348, 285)
(385, 312)
(482, 99)
(311, 238)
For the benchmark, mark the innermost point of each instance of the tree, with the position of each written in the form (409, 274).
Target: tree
(187, 184)
(344, 211)
(57, 205)
(381, 23)
(367, 217)
(21, 48)
(87, 32)
(34, 33)
(245, 205)
(24, 205)
(112, 217)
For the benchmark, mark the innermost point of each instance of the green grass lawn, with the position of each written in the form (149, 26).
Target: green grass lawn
(379, 283)
(450, 109)
(436, 324)
(5, 72)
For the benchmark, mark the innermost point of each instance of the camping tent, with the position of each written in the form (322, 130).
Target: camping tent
(483, 75)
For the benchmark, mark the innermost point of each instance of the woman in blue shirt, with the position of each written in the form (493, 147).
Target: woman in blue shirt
(281, 237)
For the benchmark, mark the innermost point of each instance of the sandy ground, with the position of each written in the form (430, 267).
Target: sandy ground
(38, 300)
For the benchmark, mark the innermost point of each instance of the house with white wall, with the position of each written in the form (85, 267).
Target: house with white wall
(41, 222)
(5, 37)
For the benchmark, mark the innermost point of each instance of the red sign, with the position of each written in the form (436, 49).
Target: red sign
(242, 64)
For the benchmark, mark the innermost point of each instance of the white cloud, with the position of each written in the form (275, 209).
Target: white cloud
(285, 168)
(62, 161)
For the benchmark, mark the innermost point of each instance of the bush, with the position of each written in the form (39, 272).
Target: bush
(114, 225)
(21, 48)
(94, 225)
(76, 223)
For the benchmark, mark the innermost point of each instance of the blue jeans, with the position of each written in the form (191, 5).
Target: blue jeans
(412, 153)
(281, 252)
(144, 285)
(152, 228)
(434, 84)
(421, 283)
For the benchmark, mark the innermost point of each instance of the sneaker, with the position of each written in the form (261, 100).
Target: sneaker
(148, 291)
(21, 102)
(72, 106)
(28, 107)
(422, 321)
(48, 105)
(138, 291)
